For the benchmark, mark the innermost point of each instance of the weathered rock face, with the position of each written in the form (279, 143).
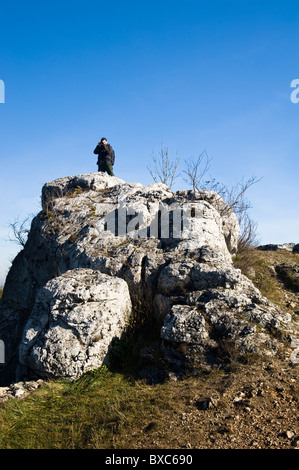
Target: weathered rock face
(222, 307)
(170, 251)
(73, 322)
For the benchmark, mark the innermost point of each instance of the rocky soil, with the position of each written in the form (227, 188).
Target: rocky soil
(253, 407)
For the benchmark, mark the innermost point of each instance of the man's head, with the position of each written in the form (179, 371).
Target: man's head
(104, 140)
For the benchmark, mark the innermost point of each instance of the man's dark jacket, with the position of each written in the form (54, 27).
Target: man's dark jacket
(105, 154)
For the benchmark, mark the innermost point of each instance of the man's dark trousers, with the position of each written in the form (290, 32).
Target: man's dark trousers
(103, 166)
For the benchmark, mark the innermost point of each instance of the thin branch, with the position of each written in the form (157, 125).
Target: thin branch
(20, 230)
(228, 199)
(165, 171)
(196, 170)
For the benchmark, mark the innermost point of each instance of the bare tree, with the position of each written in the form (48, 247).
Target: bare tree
(165, 170)
(196, 170)
(235, 200)
(234, 197)
(20, 230)
(248, 237)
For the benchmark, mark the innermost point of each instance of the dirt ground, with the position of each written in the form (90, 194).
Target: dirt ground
(256, 407)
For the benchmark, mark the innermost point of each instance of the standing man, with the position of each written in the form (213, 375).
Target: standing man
(106, 156)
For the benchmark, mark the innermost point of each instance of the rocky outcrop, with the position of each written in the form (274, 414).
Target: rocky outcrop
(19, 390)
(73, 322)
(227, 310)
(292, 247)
(289, 275)
(99, 241)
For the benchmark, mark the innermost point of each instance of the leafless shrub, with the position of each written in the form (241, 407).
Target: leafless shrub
(165, 170)
(196, 171)
(236, 200)
(248, 237)
(20, 230)
(234, 197)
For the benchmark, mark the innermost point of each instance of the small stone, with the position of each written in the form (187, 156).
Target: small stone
(290, 434)
(19, 392)
(17, 386)
(31, 385)
(3, 391)
(239, 398)
(254, 443)
(206, 403)
(295, 444)
(172, 377)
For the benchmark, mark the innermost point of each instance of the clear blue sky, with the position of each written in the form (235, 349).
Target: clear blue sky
(191, 75)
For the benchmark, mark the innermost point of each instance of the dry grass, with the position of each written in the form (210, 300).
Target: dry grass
(259, 266)
(106, 410)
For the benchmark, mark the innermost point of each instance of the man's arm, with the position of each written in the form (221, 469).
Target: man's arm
(97, 150)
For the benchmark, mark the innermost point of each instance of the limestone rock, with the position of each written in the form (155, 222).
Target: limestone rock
(277, 247)
(68, 186)
(227, 308)
(72, 324)
(169, 253)
(19, 389)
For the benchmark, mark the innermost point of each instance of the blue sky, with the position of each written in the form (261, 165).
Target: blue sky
(190, 75)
